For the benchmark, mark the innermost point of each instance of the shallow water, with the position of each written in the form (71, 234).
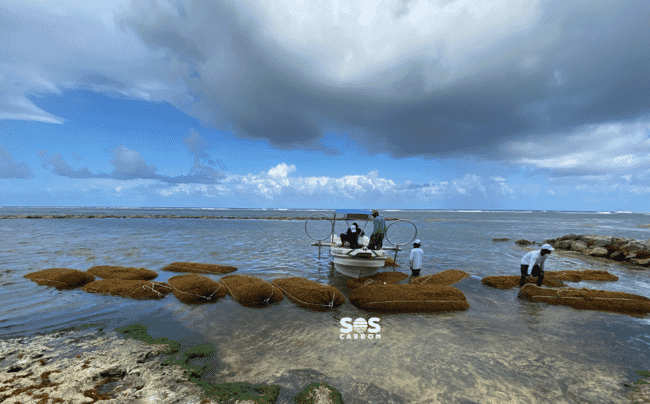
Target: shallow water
(500, 350)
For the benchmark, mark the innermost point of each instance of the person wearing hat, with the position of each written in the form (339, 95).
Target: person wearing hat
(535, 259)
(415, 260)
(352, 236)
(378, 231)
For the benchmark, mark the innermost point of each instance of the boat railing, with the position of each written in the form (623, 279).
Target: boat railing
(398, 245)
(319, 242)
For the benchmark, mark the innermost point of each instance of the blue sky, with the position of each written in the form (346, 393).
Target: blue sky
(416, 104)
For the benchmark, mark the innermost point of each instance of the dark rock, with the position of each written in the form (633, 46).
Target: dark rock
(578, 246)
(597, 252)
(644, 262)
(617, 256)
(594, 241)
(524, 242)
(563, 245)
(500, 239)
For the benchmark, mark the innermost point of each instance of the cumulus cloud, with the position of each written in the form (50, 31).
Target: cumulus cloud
(13, 169)
(406, 78)
(58, 166)
(281, 170)
(369, 187)
(128, 164)
(588, 150)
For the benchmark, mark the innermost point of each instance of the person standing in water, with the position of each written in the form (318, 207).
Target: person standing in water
(378, 231)
(415, 260)
(535, 259)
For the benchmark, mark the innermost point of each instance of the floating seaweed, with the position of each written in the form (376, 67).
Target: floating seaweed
(135, 289)
(310, 294)
(120, 272)
(251, 291)
(195, 288)
(577, 276)
(196, 267)
(510, 281)
(588, 299)
(408, 298)
(61, 278)
(446, 278)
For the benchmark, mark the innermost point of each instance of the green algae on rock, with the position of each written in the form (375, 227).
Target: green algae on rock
(319, 393)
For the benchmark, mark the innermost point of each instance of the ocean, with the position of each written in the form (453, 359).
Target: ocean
(501, 350)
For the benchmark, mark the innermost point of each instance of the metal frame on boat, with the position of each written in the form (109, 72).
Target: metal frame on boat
(361, 261)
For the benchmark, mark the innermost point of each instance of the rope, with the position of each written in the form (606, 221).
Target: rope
(423, 280)
(178, 290)
(330, 304)
(266, 301)
(154, 290)
(368, 282)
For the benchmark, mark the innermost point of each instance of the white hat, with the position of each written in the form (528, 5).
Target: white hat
(547, 247)
(417, 241)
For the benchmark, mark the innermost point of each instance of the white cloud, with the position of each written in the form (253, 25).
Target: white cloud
(605, 148)
(281, 170)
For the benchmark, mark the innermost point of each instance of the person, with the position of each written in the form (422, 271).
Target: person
(378, 231)
(352, 236)
(535, 259)
(415, 259)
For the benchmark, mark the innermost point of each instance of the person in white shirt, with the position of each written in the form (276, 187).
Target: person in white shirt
(535, 260)
(415, 260)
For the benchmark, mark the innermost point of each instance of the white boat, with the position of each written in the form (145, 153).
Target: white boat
(358, 262)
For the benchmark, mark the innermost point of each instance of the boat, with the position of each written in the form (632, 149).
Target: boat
(358, 262)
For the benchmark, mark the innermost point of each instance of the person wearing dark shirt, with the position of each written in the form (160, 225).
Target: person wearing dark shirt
(352, 236)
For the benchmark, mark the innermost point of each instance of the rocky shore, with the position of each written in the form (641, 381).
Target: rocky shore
(88, 366)
(615, 248)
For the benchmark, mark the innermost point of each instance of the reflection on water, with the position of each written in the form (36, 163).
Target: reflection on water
(500, 350)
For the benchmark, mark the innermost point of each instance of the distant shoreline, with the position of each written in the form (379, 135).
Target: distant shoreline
(161, 217)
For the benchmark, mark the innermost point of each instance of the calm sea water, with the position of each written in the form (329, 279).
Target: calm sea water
(500, 350)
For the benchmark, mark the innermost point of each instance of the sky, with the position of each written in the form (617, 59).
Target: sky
(393, 104)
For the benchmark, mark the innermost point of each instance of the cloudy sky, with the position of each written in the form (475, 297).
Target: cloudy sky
(442, 104)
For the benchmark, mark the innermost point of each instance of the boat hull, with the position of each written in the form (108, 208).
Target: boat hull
(357, 263)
